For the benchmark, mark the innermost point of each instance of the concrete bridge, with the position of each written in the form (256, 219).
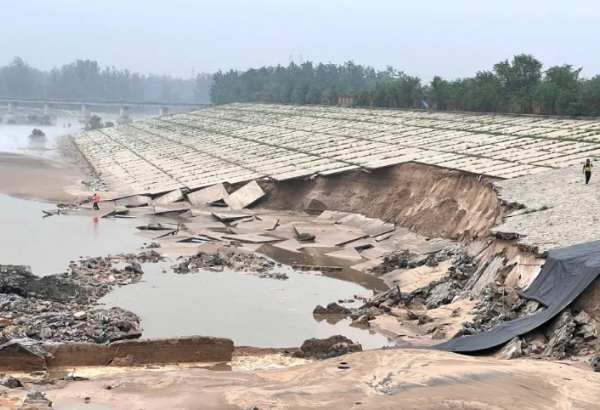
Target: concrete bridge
(86, 113)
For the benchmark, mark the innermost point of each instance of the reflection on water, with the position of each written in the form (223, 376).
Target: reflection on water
(249, 310)
(48, 244)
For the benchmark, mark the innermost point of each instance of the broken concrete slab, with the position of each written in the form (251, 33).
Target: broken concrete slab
(332, 235)
(230, 216)
(258, 225)
(174, 208)
(290, 245)
(347, 253)
(251, 238)
(485, 275)
(208, 195)
(197, 227)
(120, 211)
(169, 198)
(155, 234)
(368, 265)
(245, 196)
(410, 280)
(133, 201)
(372, 226)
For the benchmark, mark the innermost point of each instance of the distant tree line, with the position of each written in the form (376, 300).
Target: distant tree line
(85, 79)
(517, 86)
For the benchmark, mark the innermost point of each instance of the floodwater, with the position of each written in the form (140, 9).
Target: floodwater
(318, 257)
(48, 244)
(247, 309)
(15, 138)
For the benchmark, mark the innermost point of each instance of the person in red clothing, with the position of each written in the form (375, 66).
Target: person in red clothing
(95, 200)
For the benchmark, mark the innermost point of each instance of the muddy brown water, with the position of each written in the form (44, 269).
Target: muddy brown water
(251, 311)
(318, 257)
(48, 244)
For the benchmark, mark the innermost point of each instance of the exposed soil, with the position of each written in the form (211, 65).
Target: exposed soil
(428, 200)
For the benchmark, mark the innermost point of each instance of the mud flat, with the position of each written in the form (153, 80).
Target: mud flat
(40, 179)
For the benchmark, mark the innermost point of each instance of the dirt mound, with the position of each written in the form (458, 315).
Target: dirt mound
(431, 201)
(327, 348)
(20, 281)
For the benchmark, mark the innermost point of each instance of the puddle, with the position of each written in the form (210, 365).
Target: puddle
(249, 310)
(48, 244)
(317, 257)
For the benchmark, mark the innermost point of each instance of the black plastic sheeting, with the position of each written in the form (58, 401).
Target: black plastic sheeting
(565, 275)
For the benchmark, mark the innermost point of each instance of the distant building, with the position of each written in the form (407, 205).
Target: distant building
(345, 101)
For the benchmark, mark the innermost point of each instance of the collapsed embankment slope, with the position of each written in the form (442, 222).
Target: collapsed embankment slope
(428, 200)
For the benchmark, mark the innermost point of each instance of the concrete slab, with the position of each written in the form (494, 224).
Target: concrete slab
(245, 196)
(133, 201)
(168, 198)
(348, 253)
(230, 216)
(251, 238)
(208, 195)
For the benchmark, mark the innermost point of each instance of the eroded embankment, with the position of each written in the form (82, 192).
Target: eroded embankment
(428, 200)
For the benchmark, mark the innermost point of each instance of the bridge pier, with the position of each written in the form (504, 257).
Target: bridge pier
(86, 113)
(48, 109)
(163, 111)
(12, 108)
(124, 117)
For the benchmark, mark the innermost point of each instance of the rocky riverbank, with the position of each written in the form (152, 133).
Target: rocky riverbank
(61, 307)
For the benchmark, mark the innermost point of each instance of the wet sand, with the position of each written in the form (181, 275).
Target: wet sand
(384, 379)
(41, 179)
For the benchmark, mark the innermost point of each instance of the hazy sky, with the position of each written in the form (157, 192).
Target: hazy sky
(452, 38)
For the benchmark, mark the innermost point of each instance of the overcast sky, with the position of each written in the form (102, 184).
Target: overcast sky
(452, 38)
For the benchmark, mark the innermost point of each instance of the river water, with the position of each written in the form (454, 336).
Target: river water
(249, 310)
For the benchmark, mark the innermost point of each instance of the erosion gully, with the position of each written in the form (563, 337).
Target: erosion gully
(250, 310)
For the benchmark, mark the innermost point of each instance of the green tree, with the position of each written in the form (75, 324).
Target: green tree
(94, 123)
(519, 80)
(559, 90)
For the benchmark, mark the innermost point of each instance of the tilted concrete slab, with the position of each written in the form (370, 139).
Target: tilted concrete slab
(245, 196)
(168, 198)
(208, 195)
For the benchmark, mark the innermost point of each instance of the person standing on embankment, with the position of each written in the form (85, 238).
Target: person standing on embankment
(95, 200)
(587, 170)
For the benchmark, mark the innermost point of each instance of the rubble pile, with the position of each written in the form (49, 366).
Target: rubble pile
(495, 307)
(95, 185)
(327, 348)
(230, 258)
(435, 294)
(399, 259)
(332, 309)
(60, 307)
